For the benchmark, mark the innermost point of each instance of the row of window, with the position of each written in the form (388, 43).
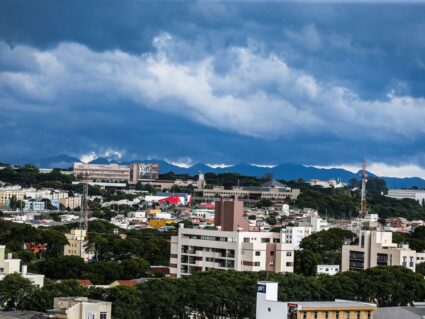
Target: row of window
(338, 315)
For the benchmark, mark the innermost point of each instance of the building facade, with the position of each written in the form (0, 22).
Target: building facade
(268, 307)
(102, 172)
(416, 194)
(71, 202)
(6, 196)
(295, 234)
(77, 244)
(143, 172)
(80, 308)
(375, 248)
(231, 245)
(10, 265)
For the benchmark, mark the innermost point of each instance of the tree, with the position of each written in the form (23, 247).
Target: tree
(134, 268)
(14, 289)
(306, 262)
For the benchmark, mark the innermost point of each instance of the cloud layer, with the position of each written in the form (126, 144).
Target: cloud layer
(258, 95)
(215, 82)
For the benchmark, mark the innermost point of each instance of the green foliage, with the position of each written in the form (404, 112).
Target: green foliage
(29, 175)
(13, 290)
(327, 244)
(306, 262)
(416, 240)
(223, 293)
(342, 203)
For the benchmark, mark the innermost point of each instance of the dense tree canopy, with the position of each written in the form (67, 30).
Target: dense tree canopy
(227, 293)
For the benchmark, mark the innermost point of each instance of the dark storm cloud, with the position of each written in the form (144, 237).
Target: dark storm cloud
(349, 82)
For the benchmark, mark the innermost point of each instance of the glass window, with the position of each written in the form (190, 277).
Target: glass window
(257, 253)
(358, 314)
(103, 315)
(337, 315)
(288, 253)
(315, 315)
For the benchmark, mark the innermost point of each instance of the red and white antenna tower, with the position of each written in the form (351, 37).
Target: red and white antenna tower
(363, 206)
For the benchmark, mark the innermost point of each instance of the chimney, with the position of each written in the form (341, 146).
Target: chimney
(9, 256)
(24, 270)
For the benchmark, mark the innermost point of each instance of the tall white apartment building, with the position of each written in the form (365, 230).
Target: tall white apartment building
(375, 248)
(295, 234)
(230, 246)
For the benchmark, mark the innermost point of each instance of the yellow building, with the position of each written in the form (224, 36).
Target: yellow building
(71, 202)
(6, 195)
(338, 309)
(77, 242)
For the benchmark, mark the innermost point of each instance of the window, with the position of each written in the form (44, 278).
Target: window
(358, 314)
(272, 253)
(103, 315)
(337, 315)
(369, 315)
(257, 253)
(288, 253)
(269, 309)
(246, 240)
(257, 263)
(326, 314)
(315, 315)
(304, 315)
(89, 315)
(347, 316)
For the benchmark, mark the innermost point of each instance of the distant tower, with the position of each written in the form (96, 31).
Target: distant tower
(363, 208)
(201, 181)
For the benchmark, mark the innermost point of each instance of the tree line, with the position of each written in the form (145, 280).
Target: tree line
(221, 293)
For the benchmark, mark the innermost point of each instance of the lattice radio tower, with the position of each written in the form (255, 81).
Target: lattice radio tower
(363, 203)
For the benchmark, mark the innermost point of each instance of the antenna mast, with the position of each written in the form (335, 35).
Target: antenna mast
(85, 200)
(363, 208)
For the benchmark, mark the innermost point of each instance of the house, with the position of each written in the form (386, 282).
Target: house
(9, 265)
(80, 308)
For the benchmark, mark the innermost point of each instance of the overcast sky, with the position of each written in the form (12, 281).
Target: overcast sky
(217, 82)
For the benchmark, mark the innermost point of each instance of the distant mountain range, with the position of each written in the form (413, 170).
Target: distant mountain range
(286, 171)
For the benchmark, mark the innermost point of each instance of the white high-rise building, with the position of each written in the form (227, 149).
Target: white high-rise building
(295, 234)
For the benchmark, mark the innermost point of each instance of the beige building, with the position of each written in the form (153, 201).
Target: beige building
(375, 248)
(232, 245)
(80, 308)
(9, 265)
(103, 172)
(6, 195)
(71, 202)
(77, 242)
(268, 190)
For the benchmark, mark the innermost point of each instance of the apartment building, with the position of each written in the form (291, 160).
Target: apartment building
(10, 265)
(143, 172)
(268, 307)
(103, 172)
(415, 194)
(231, 245)
(295, 234)
(80, 308)
(7, 194)
(71, 202)
(77, 244)
(375, 248)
